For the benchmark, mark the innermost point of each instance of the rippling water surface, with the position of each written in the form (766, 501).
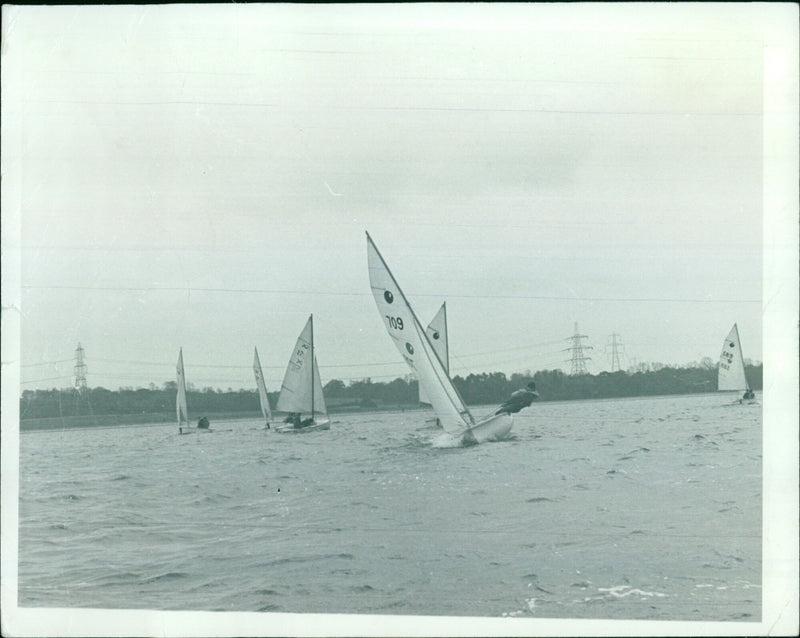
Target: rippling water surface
(624, 509)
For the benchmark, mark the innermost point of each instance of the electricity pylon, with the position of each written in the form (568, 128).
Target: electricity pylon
(80, 369)
(578, 359)
(616, 346)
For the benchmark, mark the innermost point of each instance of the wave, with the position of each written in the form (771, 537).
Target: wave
(167, 576)
(623, 591)
(445, 440)
(306, 559)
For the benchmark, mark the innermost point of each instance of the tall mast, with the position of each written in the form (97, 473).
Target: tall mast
(311, 319)
(446, 340)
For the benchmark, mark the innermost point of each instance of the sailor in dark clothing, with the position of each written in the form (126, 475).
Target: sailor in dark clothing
(519, 399)
(302, 423)
(203, 423)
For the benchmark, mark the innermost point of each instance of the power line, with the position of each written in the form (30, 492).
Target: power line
(365, 294)
(45, 363)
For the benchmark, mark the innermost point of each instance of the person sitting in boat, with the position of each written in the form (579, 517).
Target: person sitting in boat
(519, 399)
(203, 423)
(749, 395)
(301, 423)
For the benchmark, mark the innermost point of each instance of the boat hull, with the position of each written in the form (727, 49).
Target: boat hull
(494, 428)
(314, 427)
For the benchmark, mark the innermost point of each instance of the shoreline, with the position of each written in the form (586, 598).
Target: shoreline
(157, 418)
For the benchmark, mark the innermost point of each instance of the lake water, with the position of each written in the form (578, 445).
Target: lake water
(644, 508)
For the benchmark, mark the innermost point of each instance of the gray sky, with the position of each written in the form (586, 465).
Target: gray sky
(203, 177)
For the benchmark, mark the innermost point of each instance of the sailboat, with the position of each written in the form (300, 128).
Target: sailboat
(730, 374)
(262, 390)
(301, 393)
(416, 347)
(181, 410)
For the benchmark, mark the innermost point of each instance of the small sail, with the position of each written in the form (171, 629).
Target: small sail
(731, 364)
(415, 345)
(180, 399)
(301, 390)
(262, 388)
(437, 333)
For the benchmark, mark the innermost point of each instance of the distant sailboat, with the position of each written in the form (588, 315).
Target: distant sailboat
(301, 393)
(262, 390)
(180, 403)
(730, 374)
(416, 347)
(437, 333)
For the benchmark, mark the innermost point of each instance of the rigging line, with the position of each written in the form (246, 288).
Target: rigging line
(363, 294)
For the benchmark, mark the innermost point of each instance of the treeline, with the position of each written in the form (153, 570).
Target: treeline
(476, 389)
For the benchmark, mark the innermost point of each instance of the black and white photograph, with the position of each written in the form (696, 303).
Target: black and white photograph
(406, 319)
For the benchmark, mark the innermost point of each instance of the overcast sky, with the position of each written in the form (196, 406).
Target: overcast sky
(203, 177)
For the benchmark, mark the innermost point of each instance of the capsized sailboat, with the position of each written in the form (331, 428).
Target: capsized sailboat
(262, 390)
(730, 372)
(416, 347)
(301, 392)
(180, 403)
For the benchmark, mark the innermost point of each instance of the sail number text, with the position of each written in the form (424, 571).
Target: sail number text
(395, 322)
(296, 362)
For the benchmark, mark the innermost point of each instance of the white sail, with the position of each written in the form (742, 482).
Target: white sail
(437, 333)
(319, 398)
(301, 390)
(262, 388)
(415, 346)
(731, 364)
(180, 399)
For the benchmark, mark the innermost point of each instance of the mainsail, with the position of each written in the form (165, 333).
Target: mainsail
(437, 333)
(301, 391)
(415, 345)
(731, 364)
(180, 399)
(262, 388)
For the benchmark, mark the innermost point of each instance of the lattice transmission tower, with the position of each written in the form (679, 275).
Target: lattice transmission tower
(616, 347)
(578, 359)
(80, 369)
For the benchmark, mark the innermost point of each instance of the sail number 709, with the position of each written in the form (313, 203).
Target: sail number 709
(395, 322)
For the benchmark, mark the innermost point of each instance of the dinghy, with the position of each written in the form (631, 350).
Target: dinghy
(416, 346)
(301, 393)
(262, 390)
(180, 404)
(730, 372)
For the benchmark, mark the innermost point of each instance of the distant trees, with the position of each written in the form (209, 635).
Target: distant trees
(476, 389)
